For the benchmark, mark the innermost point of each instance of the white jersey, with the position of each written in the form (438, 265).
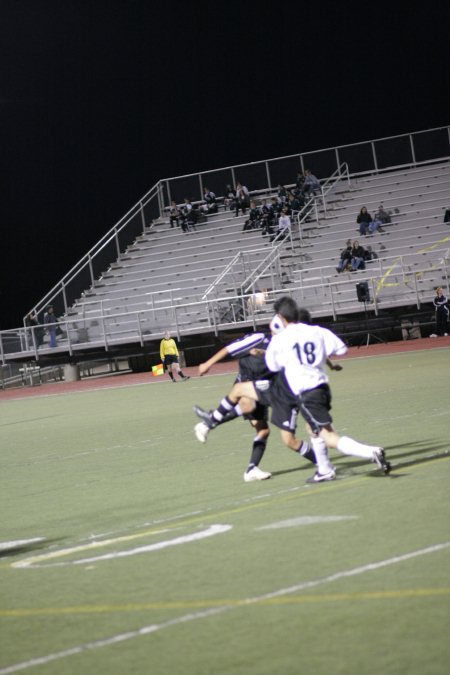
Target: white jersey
(301, 351)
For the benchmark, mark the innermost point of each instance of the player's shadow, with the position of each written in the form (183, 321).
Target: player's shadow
(20, 549)
(297, 468)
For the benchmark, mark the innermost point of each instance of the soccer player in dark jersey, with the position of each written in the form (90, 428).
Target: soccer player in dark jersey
(250, 351)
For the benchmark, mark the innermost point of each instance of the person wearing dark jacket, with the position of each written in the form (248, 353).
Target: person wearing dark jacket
(364, 219)
(441, 309)
(346, 256)
(358, 255)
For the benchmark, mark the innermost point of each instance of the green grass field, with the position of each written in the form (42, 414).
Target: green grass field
(144, 551)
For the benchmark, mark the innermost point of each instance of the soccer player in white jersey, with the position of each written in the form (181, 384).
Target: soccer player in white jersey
(252, 367)
(299, 354)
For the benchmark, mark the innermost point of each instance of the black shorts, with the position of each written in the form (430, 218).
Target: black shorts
(284, 403)
(259, 414)
(169, 359)
(315, 406)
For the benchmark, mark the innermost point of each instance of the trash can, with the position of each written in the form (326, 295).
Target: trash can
(71, 372)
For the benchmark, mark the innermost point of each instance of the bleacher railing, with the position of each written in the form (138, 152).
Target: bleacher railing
(377, 155)
(334, 297)
(270, 265)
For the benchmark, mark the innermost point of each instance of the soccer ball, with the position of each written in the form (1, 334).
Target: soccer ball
(276, 325)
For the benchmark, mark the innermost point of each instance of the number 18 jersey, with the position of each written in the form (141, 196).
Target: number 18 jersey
(301, 351)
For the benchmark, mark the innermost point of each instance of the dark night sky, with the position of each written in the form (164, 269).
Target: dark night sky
(101, 98)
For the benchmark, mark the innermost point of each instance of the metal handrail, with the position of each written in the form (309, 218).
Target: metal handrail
(157, 193)
(86, 260)
(30, 349)
(341, 172)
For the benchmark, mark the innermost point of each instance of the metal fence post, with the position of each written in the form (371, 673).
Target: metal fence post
(413, 154)
(116, 239)
(91, 269)
(143, 216)
(374, 156)
(63, 286)
(269, 184)
(139, 329)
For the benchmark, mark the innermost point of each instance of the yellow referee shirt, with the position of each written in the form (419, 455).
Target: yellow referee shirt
(168, 347)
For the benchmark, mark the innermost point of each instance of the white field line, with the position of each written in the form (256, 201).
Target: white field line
(185, 539)
(305, 520)
(194, 616)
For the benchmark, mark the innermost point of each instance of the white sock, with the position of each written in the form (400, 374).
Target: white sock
(321, 452)
(348, 446)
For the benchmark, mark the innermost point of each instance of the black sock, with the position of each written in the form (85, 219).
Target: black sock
(259, 447)
(224, 407)
(171, 376)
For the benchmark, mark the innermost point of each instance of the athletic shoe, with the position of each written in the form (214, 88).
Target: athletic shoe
(201, 431)
(379, 458)
(256, 474)
(321, 477)
(205, 416)
(185, 378)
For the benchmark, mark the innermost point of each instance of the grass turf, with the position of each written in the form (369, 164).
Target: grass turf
(101, 475)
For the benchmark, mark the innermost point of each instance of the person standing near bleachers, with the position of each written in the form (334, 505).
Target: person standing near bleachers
(50, 324)
(169, 354)
(441, 309)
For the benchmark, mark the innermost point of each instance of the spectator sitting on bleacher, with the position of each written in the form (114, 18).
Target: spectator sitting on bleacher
(210, 204)
(253, 220)
(299, 182)
(242, 198)
(382, 215)
(189, 216)
(175, 215)
(276, 205)
(284, 226)
(282, 194)
(344, 263)
(268, 219)
(358, 256)
(294, 203)
(311, 184)
(364, 220)
(228, 198)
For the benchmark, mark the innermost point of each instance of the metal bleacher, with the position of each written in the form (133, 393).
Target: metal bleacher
(144, 276)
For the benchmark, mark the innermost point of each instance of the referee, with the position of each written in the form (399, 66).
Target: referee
(168, 351)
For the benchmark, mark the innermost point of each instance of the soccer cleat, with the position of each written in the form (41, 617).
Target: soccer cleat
(379, 458)
(256, 474)
(205, 416)
(322, 477)
(185, 378)
(201, 432)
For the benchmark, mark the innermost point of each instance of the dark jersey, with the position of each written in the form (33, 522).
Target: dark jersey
(251, 367)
